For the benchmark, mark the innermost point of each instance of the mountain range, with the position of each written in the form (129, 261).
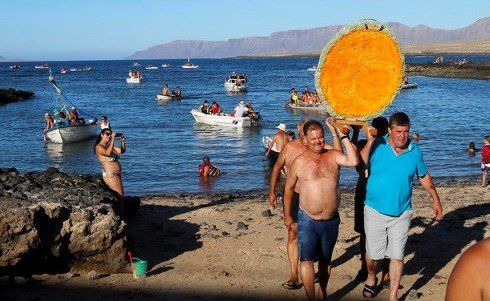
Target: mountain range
(307, 41)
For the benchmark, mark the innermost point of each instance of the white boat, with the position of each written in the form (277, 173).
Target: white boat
(305, 107)
(312, 68)
(43, 66)
(167, 97)
(15, 66)
(189, 65)
(74, 69)
(88, 68)
(72, 133)
(63, 70)
(236, 83)
(134, 79)
(166, 65)
(223, 120)
(409, 86)
(64, 133)
(266, 142)
(151, 67)
(136, 64)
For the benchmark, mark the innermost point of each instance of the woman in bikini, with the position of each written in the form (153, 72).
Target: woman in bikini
(108, 155)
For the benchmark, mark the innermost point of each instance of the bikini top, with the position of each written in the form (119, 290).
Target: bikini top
(112, 158)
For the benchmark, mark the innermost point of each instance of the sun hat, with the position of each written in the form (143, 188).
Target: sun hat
(241, 103)
(282, 127)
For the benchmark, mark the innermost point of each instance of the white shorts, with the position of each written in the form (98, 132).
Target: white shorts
(386, 235)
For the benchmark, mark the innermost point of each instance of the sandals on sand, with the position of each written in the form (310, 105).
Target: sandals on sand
(291, 285)
(370, 291)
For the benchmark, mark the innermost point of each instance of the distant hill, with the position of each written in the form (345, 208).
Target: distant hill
(305, 41)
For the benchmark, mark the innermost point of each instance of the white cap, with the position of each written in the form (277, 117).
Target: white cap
(281, 126)
(241, 103)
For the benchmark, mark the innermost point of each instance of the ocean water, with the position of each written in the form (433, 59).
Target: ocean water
(165, 146)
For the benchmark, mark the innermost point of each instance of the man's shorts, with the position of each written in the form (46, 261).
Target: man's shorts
(317, 238)
(386, 235)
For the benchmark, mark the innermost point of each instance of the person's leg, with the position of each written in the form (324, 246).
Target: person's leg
(114, 182)
(371, 265)
(324, 270)
(308, 277)
(385, 268)
(376, 242)
(329, 231)
(484, 175)
(396, 272)
(293, 253)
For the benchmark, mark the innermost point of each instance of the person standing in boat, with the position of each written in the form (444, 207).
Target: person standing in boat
(240, 110)
(104, 123)
(108, 155)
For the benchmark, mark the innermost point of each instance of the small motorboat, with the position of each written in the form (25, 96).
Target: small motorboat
(134, 77)
(305, 107)
(75, 69)
(88, 68)
(189, 65)
(151, 67)
(63, 70)
(166, 65)
(312, 68)
(15, 66)
(236, 83)
(136, 64)
(43, 66)
(409, 85)
(168, 97)
(225, 120)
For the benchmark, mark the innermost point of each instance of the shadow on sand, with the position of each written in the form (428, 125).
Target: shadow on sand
(436, 246)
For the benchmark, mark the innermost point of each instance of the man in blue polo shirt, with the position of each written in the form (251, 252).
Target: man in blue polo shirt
(393, 160)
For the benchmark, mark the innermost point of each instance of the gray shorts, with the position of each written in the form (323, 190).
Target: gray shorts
(386, 235)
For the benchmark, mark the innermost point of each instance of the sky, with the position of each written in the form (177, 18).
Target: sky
(114, 29)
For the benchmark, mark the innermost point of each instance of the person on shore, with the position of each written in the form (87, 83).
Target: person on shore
(104, 123)
(108, 155)
(290, 152)
(204, 108)
(165, 90)
(49, 121)
(315, 173)
(471, 149)
(279, 140)
(206, 169)
(416, 137)
(469, 278)
(381, 126)
(392, 161)
(485, 160)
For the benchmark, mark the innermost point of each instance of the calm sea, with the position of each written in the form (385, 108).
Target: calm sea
(165, 146)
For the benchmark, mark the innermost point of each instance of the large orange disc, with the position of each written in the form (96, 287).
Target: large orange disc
(360, 71)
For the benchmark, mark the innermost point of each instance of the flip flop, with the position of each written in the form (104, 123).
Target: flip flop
(372, 290)
(291, 285)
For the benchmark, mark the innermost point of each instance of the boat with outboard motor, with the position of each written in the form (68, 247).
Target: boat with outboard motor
(189, 65)
(166, 65)
(409, 85)
(305, 107)
(225, 120)
(43, 66)
(151, 67)
(168, 97)
(63, 132)
(236, 82)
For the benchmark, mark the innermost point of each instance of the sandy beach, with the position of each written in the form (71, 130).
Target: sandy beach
(222, 247)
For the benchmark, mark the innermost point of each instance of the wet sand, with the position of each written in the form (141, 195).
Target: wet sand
(222, 247)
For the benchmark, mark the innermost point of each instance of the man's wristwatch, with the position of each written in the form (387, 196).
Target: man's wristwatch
(343, 137)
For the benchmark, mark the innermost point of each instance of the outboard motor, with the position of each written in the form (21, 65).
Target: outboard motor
(254, 118)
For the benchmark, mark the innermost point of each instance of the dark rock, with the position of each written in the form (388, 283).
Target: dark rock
(12, 95)
(20, 280)
(414, 294)
(241, 226)
(266, 213)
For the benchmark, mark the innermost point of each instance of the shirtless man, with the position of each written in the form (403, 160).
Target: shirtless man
(469, 278)
(315, 176)
(279, 140)
(290, 151)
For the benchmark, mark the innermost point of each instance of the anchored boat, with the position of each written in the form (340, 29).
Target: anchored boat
(224, 120)
(236, 83)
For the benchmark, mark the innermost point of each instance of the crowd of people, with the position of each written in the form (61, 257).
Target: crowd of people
(307, 98)
(383, 209)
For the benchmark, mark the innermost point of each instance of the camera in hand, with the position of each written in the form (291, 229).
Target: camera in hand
(119, 135)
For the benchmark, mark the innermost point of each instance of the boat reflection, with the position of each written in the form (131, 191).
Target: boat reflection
(61, 155)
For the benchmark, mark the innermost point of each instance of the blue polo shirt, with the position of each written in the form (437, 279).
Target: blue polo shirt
(389, 186)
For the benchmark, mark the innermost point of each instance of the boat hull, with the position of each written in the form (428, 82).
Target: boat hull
(134, 80)
(313, 108)
(70, 134)
(409, 86)
(232, 87)
(190, 67)
(228, 121)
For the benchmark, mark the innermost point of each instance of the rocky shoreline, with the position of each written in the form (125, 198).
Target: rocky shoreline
(13, 95)
(56, 222)
(469, 70)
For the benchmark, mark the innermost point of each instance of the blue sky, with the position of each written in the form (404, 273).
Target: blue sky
(73, 29)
